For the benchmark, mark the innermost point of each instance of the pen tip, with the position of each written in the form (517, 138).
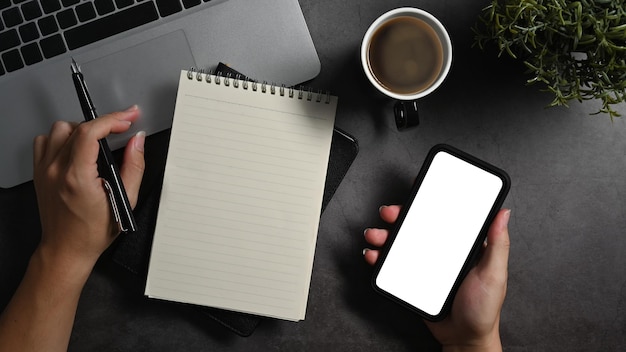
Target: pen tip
(74, 66)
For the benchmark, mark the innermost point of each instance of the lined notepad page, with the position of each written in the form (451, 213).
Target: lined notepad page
(241, 200)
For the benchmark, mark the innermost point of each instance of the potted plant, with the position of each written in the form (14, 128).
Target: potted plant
(577, 49)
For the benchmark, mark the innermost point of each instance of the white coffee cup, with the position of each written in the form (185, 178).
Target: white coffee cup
(407, 60)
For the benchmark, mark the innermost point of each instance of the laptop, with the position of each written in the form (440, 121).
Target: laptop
(131, 52)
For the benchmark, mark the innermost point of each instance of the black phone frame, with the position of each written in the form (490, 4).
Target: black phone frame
(476, 247)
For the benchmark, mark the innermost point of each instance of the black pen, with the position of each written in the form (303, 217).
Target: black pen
(107, 169)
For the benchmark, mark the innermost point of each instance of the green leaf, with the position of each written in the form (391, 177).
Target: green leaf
(544, 33)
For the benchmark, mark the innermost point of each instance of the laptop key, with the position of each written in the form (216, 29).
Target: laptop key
(66, 18)
(29, 32)
(123, 3)
(104, 6)
(31, 53)
(50, 6)
(47, 25)
(191, 3)
(12, 60)
(9, 39)
(85, 11)
(12, 17)
(4, 4)
(52, 46)
(68, 3)
(31, 10)
(116, 23)
(168, 7)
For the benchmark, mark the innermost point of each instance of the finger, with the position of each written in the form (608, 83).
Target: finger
(496, 255)
(389, 213)
(131, 114)
(58, 136)
(39, 149)
(89, 133)
(376, 237)
(370, 256)
(116, 122)
(133, 166)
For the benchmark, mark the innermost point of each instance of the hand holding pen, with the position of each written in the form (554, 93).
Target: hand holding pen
(77, 226)
(76, 218)
(107, 169)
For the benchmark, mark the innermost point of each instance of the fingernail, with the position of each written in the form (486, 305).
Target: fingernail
(132, 108)
(364, 231)
(507, 216)
(365, 250)
(381, 208)
(140, 139)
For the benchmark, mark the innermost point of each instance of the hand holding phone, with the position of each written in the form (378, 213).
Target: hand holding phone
(440, 231)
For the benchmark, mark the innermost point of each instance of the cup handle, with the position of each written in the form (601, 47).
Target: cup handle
(406, 114)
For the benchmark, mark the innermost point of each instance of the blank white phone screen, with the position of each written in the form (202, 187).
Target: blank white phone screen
(438, 232)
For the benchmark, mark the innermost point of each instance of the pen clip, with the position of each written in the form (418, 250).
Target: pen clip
(114, 208)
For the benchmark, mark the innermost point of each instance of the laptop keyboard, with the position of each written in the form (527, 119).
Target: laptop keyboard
(34, 30)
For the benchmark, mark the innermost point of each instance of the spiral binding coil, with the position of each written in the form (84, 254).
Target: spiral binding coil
(238, 81)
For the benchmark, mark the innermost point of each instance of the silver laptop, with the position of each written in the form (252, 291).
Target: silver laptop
(131, 52)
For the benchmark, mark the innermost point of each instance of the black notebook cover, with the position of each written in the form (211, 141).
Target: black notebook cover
(133, 251)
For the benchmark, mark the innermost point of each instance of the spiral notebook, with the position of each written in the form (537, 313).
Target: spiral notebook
(242, 194)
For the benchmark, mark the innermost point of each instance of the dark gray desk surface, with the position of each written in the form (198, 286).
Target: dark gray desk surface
(567, 275)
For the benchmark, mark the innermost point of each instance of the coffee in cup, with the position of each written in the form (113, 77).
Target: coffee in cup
(406, 54)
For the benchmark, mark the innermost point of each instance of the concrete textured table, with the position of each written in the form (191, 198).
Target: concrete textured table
(567, 274)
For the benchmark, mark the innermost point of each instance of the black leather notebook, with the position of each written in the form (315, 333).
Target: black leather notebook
(133, 251)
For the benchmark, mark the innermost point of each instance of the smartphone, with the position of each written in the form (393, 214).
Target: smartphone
(440, 231)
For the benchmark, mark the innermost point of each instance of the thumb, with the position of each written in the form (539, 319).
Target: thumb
(133, 166)
(494, 261)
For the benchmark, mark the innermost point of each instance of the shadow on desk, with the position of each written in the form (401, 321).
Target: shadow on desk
(384, 318)
(19, 235)
(124, 293)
